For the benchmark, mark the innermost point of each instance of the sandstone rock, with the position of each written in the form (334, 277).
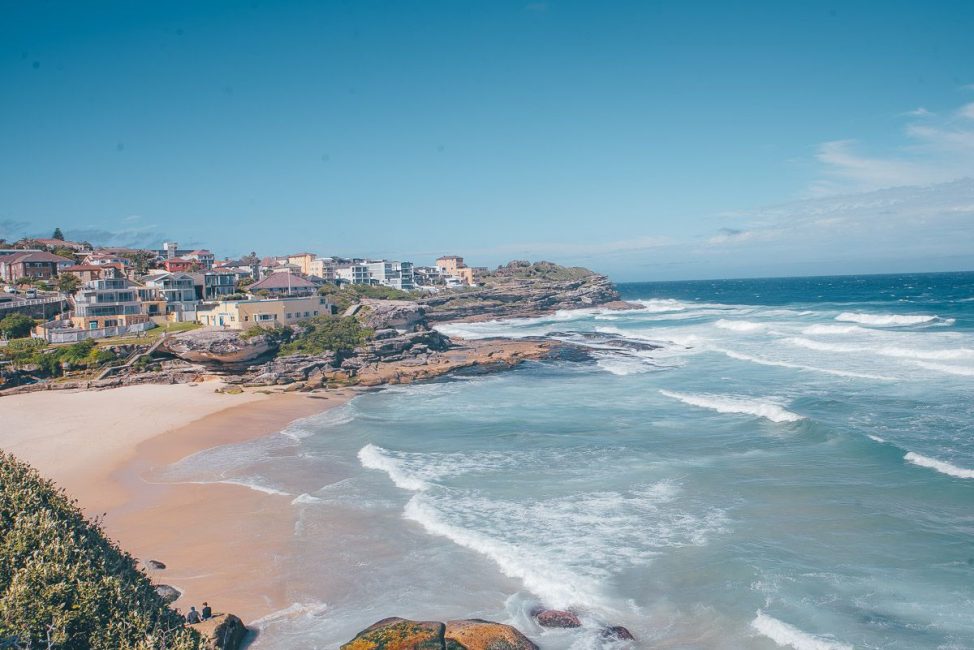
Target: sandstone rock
(399, 634)
(556, 618)
(476, 634)
(223, 346)
(392, 314)
(522, 290)
(155, 564)
(168, 593)
(617, 632)
(222, 632)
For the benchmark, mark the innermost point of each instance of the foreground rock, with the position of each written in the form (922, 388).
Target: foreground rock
(522, 289)
(470, 634)
(224, 346)
(399, 634)
(222, 632)
(556, 618)
(477, 634)
(617, 632)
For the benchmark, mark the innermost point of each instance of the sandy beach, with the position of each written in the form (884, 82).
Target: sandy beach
(220, 542)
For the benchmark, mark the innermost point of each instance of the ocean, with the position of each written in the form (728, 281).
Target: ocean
(743, 464)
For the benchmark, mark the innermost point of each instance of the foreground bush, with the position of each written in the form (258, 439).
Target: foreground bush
(63, 584)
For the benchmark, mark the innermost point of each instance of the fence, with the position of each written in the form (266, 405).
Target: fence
(75, 335)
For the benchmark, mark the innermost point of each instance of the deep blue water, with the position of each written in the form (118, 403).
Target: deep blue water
(744, 464)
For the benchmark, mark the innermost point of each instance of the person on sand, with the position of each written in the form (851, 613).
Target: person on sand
(193, 616)
(207, 612)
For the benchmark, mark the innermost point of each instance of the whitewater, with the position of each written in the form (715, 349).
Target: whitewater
(783, 463)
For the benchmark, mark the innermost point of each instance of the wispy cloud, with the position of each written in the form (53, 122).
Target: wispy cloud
(11, 229)
(934, 148)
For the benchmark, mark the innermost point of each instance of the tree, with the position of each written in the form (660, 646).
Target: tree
(58, 235)
(67, 283)
(15, 326)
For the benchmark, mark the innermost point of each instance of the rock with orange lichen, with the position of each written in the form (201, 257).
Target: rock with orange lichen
(477, 634)
(399, 634)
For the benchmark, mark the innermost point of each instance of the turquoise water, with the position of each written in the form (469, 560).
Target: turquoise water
(744, 464)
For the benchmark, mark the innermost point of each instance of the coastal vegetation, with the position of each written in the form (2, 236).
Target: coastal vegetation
(52, 361)
(64, 584)
(15, 326)
(338, 334)
(523, 269)
(347, 295)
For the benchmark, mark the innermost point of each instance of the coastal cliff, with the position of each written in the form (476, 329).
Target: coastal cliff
(521, 290)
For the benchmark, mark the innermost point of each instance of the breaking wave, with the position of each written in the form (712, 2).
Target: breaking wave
(939, 465)
(789, 636)
(797, 366)
(740, 325)
(892, 320)
(727, 404)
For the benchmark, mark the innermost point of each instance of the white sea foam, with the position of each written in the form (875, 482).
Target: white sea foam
(740, 325)
(566, 550)
(661, 305)
(814, 330)
(789, 636)
(373, 457)
(309, 426)
(939, 465)
(875, 438)
(960, 371)
(892, 320)
(623, 365)
(727, 404)
(257, 487)
(784, 364)
(305, 498)
(290, 613)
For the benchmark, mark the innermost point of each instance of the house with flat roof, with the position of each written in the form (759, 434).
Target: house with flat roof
(265, 312)
(107, 302)
(453, 266)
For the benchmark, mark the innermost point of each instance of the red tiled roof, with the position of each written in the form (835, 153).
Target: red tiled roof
(281, 281)
(33, 257)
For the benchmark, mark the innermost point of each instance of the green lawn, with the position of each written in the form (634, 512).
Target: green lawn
(150, 336)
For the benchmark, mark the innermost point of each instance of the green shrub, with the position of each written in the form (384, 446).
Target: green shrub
(63, 584)
(321, 334)
(15, 326)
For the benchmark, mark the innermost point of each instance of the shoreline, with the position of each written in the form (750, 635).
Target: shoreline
(219, 542)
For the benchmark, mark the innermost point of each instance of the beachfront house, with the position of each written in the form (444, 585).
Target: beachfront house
(391, 273)
(265, 312)
(107, 302)
(172, 295)
(215, 284)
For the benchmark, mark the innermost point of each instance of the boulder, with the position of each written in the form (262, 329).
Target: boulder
(556, 618)
(477, 634)
(617, 632)
(222, 632)
(392, 314)
(168, 593)
(155, 564)
(399, 634)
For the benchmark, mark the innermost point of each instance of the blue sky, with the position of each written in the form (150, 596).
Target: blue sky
(647, 140)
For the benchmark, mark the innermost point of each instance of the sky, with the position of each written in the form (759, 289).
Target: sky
(646, 140)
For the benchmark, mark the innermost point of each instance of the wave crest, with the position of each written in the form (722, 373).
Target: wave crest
(789, 636)
(892, 320)
(941, 466)
(726, 404)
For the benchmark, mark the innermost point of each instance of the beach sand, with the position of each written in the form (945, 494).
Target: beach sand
(220, 543)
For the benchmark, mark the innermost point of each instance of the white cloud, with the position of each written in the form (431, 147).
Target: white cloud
(933, 149)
